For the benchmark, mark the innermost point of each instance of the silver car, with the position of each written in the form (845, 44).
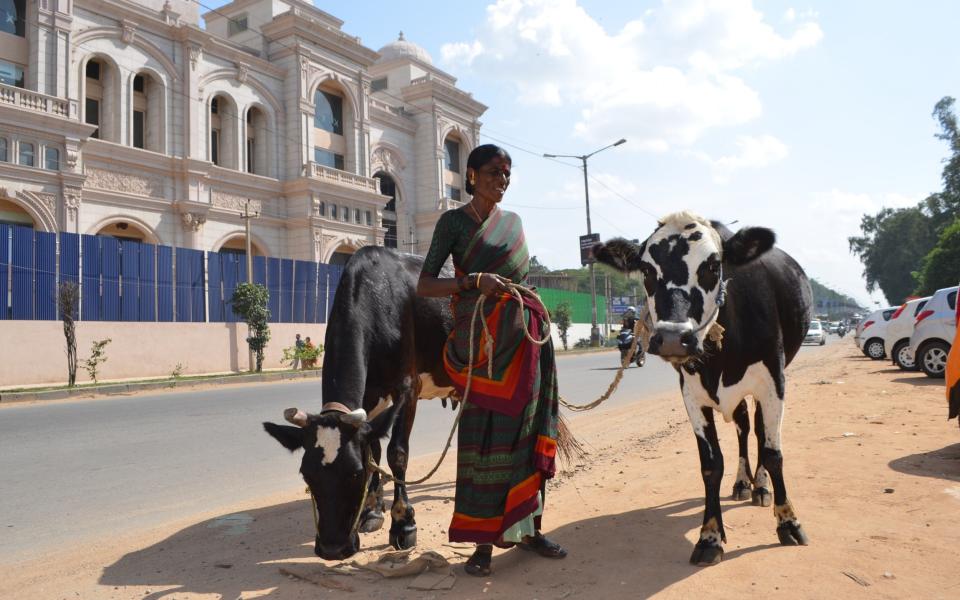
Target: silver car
(815, 334)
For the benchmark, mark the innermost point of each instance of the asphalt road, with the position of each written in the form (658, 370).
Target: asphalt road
(72, 472)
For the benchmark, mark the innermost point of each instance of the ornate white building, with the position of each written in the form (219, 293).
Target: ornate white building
(126, 118)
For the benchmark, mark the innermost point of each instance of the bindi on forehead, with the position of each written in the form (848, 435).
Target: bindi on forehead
(328, 440)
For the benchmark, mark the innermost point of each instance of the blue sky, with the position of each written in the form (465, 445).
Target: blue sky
(796, 116)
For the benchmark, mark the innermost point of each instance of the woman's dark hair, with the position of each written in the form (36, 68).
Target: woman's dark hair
(481, 155)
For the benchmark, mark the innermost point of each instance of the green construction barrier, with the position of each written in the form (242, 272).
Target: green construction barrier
(579, 303)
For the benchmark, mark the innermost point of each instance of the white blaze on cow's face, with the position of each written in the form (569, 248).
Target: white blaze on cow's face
(681, 264)
(328, 439)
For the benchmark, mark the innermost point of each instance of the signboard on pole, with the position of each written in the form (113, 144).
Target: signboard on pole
(586, 245)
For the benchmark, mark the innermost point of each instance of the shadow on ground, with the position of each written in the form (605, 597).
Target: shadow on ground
(921, 380)
(231, 554)
(940, 464)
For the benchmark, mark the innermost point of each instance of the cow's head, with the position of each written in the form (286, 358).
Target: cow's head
(335, 445)
(683, 264)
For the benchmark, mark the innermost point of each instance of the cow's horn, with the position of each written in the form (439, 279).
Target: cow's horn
(383, 405)
(355, 417)
(295, 416)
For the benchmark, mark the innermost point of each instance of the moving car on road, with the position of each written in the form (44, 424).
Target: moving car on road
(934, 330)
(816, 334)
(899, 328)
(869, 336)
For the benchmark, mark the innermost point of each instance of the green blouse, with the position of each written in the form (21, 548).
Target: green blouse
(452, 235)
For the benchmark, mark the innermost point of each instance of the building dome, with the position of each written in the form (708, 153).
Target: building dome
(402, 48)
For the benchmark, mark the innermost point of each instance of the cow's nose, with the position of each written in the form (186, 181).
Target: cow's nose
(336, 551)
(673, 339)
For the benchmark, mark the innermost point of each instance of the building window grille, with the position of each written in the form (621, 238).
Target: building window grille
(26, 154)
(51, 158)
(451, 156)
(10, 73)
(236, 25)
(328, 113)
(13, 17)
(326, 158)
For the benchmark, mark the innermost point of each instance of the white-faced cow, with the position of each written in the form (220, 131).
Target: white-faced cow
(697, 275)
(383, 344)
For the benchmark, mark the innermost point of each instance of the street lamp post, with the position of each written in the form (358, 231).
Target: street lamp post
(594, 330)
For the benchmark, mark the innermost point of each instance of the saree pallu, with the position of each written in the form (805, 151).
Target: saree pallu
(508, 429)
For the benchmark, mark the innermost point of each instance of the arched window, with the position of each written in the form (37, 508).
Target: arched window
(101, 97)
(147, 113)
(257, 143)
(223, 132)
(388, 187)
(452, 169)
(329, 142)
(126, 231)
(13, 17)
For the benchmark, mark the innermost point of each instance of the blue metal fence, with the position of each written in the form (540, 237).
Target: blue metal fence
(125, 280)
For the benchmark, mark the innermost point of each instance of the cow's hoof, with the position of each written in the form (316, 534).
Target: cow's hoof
(706, 554)
(792, 534)
(741, 491)
(761, 497)
(403, 537)
(371, 521)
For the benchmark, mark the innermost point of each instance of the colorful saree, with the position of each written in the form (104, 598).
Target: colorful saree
(508, 430)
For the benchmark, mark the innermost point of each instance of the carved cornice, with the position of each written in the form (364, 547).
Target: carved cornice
(128, 183)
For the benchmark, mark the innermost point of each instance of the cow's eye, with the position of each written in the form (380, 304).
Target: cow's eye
(715, 267)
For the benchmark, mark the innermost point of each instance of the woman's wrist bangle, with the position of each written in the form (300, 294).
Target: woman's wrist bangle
(477, 283)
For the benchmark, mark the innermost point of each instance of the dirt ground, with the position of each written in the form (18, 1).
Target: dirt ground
(872, 467)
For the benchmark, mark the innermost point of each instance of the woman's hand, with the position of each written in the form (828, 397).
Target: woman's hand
(492, 284)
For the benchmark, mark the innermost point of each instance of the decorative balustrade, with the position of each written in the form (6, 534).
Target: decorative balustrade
(380, 104)
(338, 177)
(38, 102)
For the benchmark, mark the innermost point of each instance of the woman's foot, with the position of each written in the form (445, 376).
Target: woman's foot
(541, 545)
(478, 565)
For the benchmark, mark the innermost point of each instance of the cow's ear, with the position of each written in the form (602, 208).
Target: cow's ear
(747, 244)
(289, 437)
(619, 253)
(380, 426)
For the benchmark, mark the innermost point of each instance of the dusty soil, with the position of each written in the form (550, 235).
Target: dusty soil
(872, 466)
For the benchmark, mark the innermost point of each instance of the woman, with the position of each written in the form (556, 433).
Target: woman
(508, 429)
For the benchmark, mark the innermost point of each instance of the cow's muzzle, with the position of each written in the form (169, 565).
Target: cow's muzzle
(337, 551)
(673, 340)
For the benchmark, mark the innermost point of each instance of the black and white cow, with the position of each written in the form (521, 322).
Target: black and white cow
(383, 346)
(697, 273)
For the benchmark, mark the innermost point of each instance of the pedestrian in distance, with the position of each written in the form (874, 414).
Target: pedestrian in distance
(298, 348)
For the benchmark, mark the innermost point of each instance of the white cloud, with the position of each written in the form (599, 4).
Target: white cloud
(663, 80)
(752, 153)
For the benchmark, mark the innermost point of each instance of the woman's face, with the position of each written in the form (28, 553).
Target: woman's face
(492, 179)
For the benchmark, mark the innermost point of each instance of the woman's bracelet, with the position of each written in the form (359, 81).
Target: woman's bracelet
(476, 285)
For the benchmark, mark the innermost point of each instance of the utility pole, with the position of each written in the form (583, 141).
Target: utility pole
(246, 216)
(594, 330)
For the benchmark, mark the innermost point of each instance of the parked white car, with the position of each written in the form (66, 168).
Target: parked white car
(869, 335)
(816, 334)
(898, 332)
(934, 330)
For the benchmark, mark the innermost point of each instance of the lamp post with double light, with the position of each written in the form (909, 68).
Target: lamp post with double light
(594, 330)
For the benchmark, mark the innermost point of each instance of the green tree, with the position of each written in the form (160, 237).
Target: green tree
(250, 302)
(941, 267)
(537, 267)
(891, 247)
(562, 317)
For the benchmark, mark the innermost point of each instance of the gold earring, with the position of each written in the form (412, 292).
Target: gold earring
(473, 181)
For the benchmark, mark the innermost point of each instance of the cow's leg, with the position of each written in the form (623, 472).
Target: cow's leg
(403, 528)
(789, 530)
(761, 482)
(742, 487)
(371, 519)
(709, 548)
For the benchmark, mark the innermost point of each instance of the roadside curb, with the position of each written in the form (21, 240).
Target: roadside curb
(112, 389)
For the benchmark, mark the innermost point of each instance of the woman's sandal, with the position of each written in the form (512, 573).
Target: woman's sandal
(478, 565)
(542, 546)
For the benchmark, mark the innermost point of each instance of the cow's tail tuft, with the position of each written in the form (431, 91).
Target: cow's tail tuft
(569, 448)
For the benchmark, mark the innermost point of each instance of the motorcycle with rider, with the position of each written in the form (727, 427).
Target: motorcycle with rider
(625, 338)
